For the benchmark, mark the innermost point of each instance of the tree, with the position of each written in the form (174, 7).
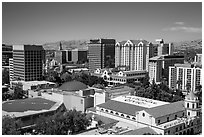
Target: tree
(5, 76)
(145, 81)
(10, 126)
(19, 93)
(179, 82)
(62, 123)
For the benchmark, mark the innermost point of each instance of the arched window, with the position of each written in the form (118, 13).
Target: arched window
(127, 116)
(116, 113)
(187, 105)
(111, 112)
(106, 110)
(102, 110)
(143, 114)
(133, 118)
(122, 115)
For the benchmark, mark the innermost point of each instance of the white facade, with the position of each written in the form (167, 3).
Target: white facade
(185, 73)
(121, 77)
(132, 53)
(178, 122)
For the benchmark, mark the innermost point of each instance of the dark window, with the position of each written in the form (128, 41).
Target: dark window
(187, 105)
(143, 114)
(189, 113)
(175, 116)
(127, 116)
(158, 121)
(192, 105)
(181, 127)
(133, 118)
(176, 129)
(122, 115)
(167, 119)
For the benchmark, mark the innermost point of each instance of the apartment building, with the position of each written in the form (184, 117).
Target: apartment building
(183, 75)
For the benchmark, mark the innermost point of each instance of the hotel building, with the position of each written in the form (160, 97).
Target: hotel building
(133, 54)
(187, 74)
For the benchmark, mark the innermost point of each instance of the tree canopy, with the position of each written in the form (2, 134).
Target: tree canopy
(10, 126)
(63, 123)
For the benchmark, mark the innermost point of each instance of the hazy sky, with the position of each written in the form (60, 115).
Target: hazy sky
(35, 23)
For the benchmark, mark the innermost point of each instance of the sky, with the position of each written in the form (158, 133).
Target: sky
(39, 23)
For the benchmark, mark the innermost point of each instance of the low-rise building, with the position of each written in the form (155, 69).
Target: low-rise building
(119, 77)
(178, 118)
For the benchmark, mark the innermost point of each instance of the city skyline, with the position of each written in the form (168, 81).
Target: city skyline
(38, 23)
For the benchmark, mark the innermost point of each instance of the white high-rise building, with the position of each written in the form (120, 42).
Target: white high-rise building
(133, 54)
(182, 75)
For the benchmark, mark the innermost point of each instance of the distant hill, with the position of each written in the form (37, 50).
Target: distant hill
(81, 44)
(183, 45)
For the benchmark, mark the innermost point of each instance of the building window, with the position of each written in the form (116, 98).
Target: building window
(181, 127)
(169, 132)
(127, 116)
(143, 114)
(176, 129)
(189, 113)
(122, 115)
(192, 105)
(116, 113)
(81, 101)
(167, 119)
(133, 118)
(158, 121)
(175, 116)
(187, 105)
(191, 123)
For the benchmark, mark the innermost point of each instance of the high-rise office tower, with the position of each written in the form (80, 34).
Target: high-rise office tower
(28, 62)
(133, 54)
(101, 53)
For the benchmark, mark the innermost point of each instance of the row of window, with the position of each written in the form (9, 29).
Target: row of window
(116, 113)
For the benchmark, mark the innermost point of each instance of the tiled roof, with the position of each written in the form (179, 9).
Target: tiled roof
(136, 42)
(121, 107)
(167, 109)
(140, 131)
(72, 86)
(122, 42)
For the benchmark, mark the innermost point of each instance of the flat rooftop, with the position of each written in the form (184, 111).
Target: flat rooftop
(139, 101)
(33, 82)
(30, 104)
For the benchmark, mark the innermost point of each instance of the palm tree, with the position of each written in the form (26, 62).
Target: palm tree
(188, 86)
(179, 82)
